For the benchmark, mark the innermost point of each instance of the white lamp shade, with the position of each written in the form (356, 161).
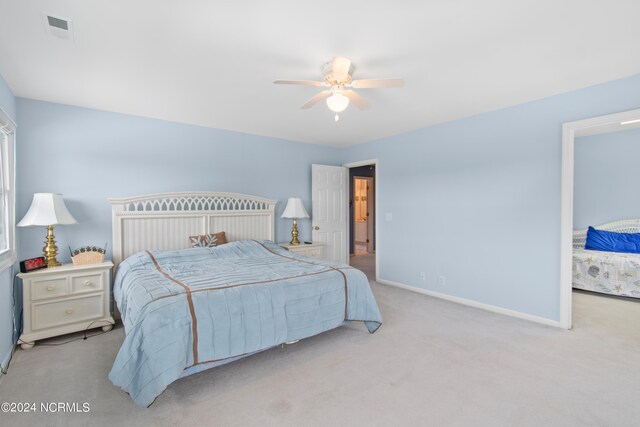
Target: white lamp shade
(337, 102)
(294, 209)
(47, 209)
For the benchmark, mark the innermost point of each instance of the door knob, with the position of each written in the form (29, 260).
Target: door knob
(316, 228)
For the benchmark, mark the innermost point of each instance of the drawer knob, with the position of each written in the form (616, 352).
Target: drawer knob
(51, 288)
(88, 283)
(68, 311)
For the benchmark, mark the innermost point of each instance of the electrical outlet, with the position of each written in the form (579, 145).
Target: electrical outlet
(442, 281)
(423, 275)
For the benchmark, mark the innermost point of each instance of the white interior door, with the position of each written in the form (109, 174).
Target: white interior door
(329, 186)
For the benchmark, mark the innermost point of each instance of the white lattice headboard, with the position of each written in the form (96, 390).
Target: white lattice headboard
(622, 226)
(165, 221)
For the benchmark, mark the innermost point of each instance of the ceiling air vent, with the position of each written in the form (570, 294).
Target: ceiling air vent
(58, 27)
(58, 23)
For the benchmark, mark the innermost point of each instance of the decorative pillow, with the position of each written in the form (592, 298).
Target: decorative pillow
(609, 241)
(208, 240)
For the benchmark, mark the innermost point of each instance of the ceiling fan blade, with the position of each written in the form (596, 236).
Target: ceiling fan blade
(340, 68)
(313, 101)
(377, 83)
(357, 100)
(299, 82)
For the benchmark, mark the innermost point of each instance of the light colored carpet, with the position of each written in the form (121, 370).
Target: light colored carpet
(365, 262)
(433, 362)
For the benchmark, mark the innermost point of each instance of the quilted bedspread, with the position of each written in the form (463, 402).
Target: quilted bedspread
(188, 309)
(611, 273)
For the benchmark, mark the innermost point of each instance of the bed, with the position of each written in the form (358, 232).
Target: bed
(186, 309)
(611, 273)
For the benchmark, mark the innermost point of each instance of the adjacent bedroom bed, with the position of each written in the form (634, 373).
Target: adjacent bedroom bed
(186, 309)
(606, 259)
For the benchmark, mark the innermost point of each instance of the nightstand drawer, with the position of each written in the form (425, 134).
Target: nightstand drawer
(86, 283)
(49, 288)
(311, 252)
(56, 313)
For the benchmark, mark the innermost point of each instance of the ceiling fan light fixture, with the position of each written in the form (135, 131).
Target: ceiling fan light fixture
(337, 102)
(340, 92)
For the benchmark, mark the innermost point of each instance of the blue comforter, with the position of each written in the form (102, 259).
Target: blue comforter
(189, 309)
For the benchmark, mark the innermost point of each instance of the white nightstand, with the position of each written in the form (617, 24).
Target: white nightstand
(65, 299)
(314, 250)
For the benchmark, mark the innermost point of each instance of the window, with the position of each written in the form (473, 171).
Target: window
(4, 244)
(7, 194)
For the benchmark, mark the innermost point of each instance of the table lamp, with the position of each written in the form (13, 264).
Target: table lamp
(48, 209)
(295, 209)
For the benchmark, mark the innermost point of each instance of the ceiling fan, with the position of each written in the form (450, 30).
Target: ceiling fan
(338, 79)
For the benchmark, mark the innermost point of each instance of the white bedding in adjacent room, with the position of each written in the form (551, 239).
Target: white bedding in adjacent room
(607, 272)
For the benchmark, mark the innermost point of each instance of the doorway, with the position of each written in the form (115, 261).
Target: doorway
(362, 218)
(570, 133)
(332, 204)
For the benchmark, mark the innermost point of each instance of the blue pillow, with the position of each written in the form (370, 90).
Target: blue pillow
(600, 240)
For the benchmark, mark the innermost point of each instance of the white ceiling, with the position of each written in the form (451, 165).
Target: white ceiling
(212, 63)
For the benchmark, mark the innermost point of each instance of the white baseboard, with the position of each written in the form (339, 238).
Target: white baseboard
(471, 303)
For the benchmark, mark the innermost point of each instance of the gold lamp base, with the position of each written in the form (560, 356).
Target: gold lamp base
(294, 233)
(50, 249)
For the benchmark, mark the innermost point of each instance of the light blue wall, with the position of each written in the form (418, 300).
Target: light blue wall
(606, 178)
(8, 104)
(90, 155)
(478, 200)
